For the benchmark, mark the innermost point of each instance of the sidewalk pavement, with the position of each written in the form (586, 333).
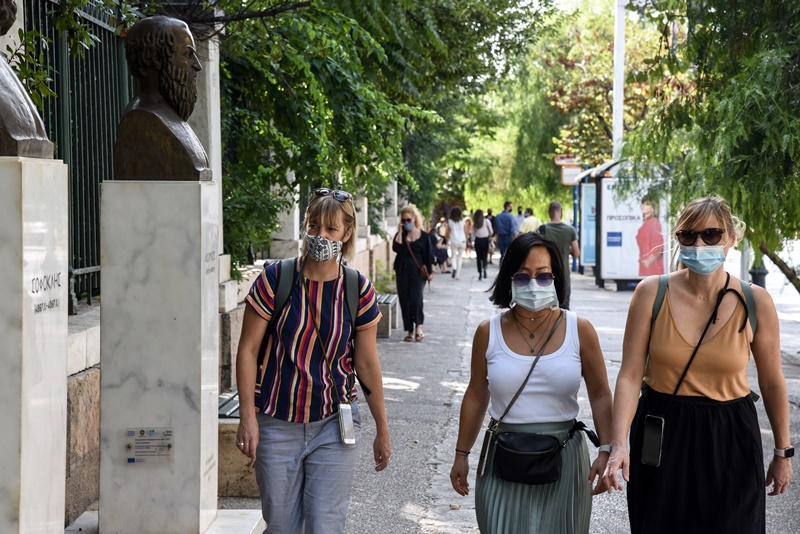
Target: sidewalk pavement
(425, 382)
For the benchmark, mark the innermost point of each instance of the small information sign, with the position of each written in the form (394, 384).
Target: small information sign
(150, 445)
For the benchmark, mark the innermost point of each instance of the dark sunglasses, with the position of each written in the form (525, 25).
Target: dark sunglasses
(407, 220)
(341, 196)
(710, 236)
(522, 279)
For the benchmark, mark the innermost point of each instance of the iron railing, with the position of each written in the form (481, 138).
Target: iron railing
(92, 92)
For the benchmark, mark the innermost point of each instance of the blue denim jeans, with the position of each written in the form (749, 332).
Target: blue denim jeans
(305, 474)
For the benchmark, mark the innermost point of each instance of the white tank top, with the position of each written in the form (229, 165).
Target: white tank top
(551, 394)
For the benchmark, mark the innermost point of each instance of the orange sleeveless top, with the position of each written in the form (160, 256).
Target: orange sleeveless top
(719, 370)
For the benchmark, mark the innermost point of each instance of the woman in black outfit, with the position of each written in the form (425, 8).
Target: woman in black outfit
(411, 239)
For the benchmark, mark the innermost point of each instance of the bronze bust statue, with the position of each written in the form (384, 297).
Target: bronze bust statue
(22, 132)
(154, 141)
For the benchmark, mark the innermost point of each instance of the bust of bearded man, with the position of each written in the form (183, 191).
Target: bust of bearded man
(22, 132)
(154, 141)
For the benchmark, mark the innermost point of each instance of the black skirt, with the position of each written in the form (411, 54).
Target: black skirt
(711, 477)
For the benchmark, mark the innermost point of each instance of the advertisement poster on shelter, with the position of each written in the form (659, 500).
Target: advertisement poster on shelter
(634, 243)
(588, 228)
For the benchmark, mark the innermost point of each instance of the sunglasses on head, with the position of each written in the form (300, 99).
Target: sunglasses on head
(341, 196)
(522, 279)
(710, 236)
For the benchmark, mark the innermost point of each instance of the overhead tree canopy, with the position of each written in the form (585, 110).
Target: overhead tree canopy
(736, 131)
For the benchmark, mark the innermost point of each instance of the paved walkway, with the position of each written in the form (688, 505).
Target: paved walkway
(425, 382)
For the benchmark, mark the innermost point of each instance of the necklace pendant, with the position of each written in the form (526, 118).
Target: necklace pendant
(532, 335)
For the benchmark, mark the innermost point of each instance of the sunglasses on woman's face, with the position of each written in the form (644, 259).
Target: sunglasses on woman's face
(522, 279)
(710, 236)
(341, 196)
(406, 221)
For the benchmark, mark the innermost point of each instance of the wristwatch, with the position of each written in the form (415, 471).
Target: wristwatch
(604, 448)
(788, 452)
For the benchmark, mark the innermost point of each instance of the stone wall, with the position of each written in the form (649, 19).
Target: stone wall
(83, 442)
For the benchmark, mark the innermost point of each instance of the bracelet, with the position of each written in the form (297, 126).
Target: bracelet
(604, 448)
(465, 453)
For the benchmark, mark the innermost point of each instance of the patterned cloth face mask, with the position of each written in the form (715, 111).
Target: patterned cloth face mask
(321, 249)
(702, 260)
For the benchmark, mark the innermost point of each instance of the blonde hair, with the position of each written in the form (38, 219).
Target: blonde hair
(700, 208)
(325, 210)
(415, 213)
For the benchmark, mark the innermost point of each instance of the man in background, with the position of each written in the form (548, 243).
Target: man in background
(566, 239)
(531, 223)
(505, 228)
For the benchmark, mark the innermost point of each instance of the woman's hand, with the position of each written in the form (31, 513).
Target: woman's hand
(381, 450)
(619, 459)
(598, 469)
(779, 474)
(458, 475)
(247, 436)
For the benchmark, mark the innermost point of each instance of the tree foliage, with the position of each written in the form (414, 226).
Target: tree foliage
(734, 133)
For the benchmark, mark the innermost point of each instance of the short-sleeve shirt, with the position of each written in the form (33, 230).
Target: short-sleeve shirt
(296, 382)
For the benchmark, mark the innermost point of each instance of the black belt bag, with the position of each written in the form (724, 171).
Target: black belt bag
(529, 458)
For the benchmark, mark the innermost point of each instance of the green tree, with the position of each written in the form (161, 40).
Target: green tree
(734, 129)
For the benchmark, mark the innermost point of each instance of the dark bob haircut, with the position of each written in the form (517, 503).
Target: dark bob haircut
(516, 254)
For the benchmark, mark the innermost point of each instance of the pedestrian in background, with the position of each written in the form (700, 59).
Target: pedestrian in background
(481, 234)
(529, 282)
(566, 239)
(505, 228)
(413, 250)
(457, 237)
(531, 223)
(696, 462)
(295, 383)
(490, 218)
(519, 218)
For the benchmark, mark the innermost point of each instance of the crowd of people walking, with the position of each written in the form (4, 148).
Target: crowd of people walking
(681, 425)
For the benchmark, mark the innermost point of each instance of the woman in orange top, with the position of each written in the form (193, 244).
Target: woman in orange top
(696, 460)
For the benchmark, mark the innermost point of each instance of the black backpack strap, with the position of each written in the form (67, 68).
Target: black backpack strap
(351, 291)
(662, 290)
(751, 306)
(287, 276)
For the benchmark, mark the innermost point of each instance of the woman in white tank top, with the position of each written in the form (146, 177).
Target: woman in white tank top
(503, 350)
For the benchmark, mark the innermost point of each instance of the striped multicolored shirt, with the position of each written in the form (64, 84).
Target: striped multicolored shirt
(294, 381)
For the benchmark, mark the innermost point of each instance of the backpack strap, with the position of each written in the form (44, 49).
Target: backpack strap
(351, 291)
(287, 276)
(751, 306)
(662, 290)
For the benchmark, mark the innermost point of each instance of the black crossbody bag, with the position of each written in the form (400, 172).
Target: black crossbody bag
(525, 457)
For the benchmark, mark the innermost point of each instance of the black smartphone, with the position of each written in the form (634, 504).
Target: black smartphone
(653, 438)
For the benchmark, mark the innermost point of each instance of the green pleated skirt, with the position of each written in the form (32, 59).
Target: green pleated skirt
(563, 507)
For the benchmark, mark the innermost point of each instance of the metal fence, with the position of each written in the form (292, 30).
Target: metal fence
(93, 91)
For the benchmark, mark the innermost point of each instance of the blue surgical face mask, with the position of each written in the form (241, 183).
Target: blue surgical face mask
(408, 226)
(534, 297)
(702, 260)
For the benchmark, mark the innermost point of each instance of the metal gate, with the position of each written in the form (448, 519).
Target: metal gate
(92, 92)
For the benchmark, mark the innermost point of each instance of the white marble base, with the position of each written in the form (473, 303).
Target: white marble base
(227, 522)
(160, 355)
(33, 344)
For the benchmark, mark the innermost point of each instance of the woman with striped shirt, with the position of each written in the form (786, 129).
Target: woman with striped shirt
(294, 387)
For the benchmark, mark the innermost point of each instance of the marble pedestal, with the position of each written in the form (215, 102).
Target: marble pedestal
(159, 357)
(34, 234)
